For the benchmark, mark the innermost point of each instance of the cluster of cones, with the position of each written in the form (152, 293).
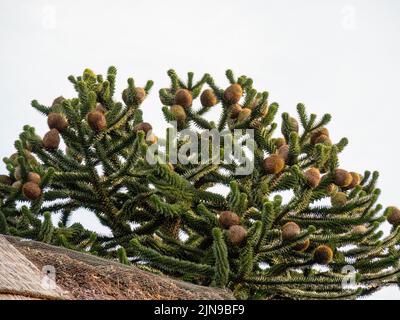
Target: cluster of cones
(183, 102)
(96, 119)
(29, 184)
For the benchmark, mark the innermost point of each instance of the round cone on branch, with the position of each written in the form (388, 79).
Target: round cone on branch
(17, 184)
(313, 177)
(233, 93)
(274, 164)
(179, 113)
(244, 114)
(331, 189)
(290, 230)
(342, 178)
(143, 126)
(228, 219)
(183, 97)
(58, 101)
(355, 181)
(139, 96)
(323, 139)
(208, 98)
(97, 121)
(283, 151)
(279, 142)
(6, 180)
(237, 235)
(57, 121)
(339, 199)
(51, 140)
(316, 134)
(323, 254)
(34, 177)
(394, 216)
(31, 191)
(235, 110)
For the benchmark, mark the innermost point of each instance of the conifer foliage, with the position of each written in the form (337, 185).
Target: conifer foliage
(165, 217)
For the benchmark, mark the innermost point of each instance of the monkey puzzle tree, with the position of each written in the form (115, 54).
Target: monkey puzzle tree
(167, 216)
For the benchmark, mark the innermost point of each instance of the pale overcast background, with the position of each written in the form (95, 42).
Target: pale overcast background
(335, 56)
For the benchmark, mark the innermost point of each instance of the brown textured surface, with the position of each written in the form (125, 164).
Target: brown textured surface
(20, 278)
(88, 277)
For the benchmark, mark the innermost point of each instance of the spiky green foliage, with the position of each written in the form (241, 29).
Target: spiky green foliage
(165, 218)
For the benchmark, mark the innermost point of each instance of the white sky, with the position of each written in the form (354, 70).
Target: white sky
(340, 57)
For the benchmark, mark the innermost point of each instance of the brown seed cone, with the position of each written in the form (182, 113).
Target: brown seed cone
(31, 191)
(274, 164)
(316, 134)
(237, 235)
(283, 151)
(313, 177)
(51, 140)
(361, 229)
(235, 110)
(290, 231)
(17, 173)
(339, 199)
(140, 95)
(302, 246)
(323, 254)
(57, 101)
(179, 113)
(279, 142)
(97, 121)
(143, 126)
(323, 139)
(183, 97)
(294, 125)
(6, 180)
(244, 114)
(57, 121)
(394, 216)
(331, 189)
(356, 179)
(342, 178)
(208, 98)
(34, 177)
(17, 184)
(228, 219)
(100, 108)
(233, 93)
(170, 166)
